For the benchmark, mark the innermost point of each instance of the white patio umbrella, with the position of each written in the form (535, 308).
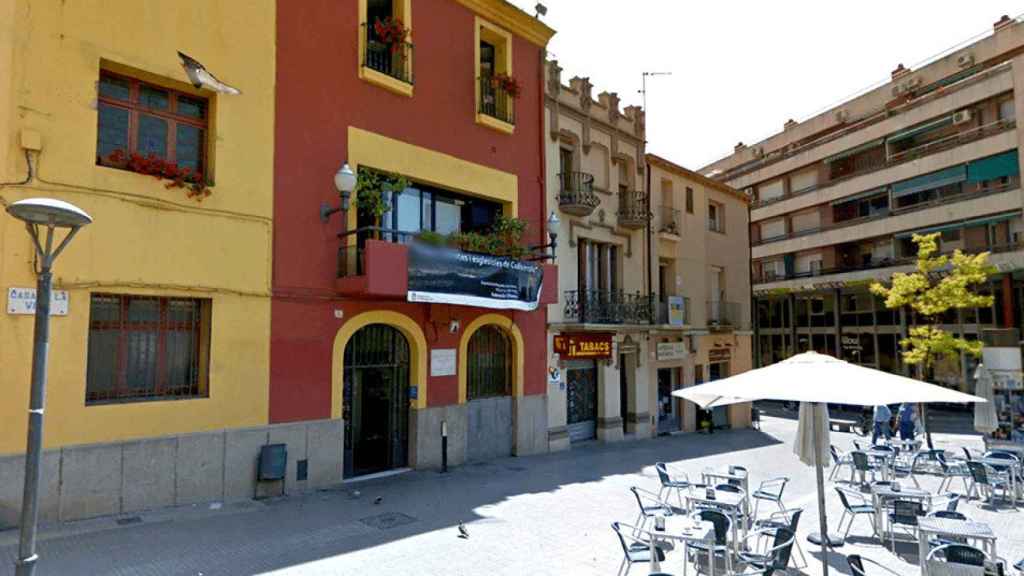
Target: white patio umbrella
(985, 418)
(819, 379)
(813, 417)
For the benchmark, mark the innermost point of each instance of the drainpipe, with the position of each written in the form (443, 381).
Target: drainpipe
(647, 260)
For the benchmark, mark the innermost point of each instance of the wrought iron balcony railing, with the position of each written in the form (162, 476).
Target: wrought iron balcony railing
(576, 193)
(633, 210)
(392, 59)
(496, 101)
(608, 307)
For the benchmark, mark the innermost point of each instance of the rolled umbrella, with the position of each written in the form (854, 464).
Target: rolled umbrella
(807, 441)
(819, 378)
(985, 419)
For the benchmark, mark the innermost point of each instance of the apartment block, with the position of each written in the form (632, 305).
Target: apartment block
(836, 199)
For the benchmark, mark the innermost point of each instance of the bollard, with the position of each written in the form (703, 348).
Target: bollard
(444, 446)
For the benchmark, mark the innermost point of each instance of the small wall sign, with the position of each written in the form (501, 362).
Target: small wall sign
(583, 346)
(442, 362)
(671, 350)
(23, 301)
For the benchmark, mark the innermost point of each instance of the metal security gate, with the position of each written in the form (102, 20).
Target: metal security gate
(581, 399)
(489, 391)
(376, 400)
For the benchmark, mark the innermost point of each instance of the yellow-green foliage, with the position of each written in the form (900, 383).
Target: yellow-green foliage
(931, 297)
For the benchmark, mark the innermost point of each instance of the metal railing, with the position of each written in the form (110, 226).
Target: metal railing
(576, 193)
(496, 101)
(723, 314)
(391, 59)
(608, 307)
(668, 220)
(633, 211)
(662, 315)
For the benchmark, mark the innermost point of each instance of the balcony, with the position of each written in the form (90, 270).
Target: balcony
(393, 60)
(495, 101)
(664, 315)
(668, 220)
(576, 193)
(724, 315)
(608, 307)
(633, 210)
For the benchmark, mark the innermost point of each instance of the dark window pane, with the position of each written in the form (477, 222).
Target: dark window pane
(143, 310)
(190, 147)
(191, 107)
(115, 88)
(101, 370)
(153, 98)
(113, 131)
(152, 136)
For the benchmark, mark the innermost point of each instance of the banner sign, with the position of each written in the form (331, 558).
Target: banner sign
(446, 276)
(583, 346)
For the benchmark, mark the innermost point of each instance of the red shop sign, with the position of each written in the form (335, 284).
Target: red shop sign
(583, 346)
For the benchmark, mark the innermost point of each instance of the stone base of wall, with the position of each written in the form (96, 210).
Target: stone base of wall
(101, 479)
(531, 421)
(558, 439)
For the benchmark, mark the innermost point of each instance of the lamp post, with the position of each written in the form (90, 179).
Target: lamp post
(553, 229)
(344, 183)
(39, 214)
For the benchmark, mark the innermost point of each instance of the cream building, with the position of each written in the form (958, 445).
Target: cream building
(836, 199)
(700, 234)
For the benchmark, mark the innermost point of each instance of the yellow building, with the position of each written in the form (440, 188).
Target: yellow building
(163, 352)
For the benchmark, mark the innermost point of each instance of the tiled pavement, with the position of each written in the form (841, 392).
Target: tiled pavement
(542, 515)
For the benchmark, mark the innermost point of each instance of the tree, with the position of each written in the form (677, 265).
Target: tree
(940, 283)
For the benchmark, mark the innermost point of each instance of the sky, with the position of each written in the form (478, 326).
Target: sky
(740, 69)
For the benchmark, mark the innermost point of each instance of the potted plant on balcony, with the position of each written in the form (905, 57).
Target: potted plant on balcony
(370, 188)
(506, 83)
(391, 32)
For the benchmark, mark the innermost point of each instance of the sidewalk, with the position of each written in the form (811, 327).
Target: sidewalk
(546, 514)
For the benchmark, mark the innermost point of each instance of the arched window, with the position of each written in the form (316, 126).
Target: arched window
(489, 362)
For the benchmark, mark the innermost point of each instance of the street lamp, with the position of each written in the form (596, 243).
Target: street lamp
(51, 214)
(553, 228)
(344, 183)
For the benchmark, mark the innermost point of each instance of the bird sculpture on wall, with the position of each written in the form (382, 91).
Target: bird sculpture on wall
(202, 78)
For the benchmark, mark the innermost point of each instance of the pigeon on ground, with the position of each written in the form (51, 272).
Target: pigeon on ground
(378, 499)
(463, 533)
(202, 78)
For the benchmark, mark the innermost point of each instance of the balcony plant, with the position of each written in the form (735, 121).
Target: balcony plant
(506, 83)
(370, 188)
(392, 33)
(194, 183)
(504, 239)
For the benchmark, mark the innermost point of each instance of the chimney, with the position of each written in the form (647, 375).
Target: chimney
(789, 124)
(739, 146)
(899, 72)
(1002, 24)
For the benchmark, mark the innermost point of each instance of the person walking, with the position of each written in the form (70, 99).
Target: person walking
(907, 420)
(881, 418)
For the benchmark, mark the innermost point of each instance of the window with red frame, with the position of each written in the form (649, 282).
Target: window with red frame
(147, 348)
(145, 119)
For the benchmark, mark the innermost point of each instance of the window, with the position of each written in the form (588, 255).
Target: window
(386, 50)
(716, 217)
(598, 266)
(497, 89)
(623, 166)
(1007, 110)
(689, 200)
(146, 347)
(139, 118)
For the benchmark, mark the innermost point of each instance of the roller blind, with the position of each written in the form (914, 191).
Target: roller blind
(998, 166)
(806, 221)
(770, 190)
(773, 228)
(938, 179)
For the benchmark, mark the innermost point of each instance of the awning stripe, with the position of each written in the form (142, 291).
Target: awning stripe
(854, 150)
(962, 224)
(910, 132)
(931, 180)
(998, 166)
(861, 196)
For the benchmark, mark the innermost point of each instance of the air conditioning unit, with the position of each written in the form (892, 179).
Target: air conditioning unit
(965, 60)
(962, 116)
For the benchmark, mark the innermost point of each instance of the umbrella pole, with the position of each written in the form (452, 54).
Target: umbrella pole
(821, 490)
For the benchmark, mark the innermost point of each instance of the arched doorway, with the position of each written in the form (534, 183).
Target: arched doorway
(489, 366)
(376, 400)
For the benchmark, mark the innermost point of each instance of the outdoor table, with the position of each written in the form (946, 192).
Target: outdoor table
(729, 502)
(938, 568)
(881, 493)
(1015, 472)
(683, 529)
(708, 475)
(952, 528)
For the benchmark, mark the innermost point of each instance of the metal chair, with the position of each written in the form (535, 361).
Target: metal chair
(635, 550)
(904, 513)
(862, 465)
(959, 554)
(839, 459)
(737, 471)
(676, 480)
(770, 491)
(784, 519)
(650, 506)
(773, 559)
(988, 479)
(855, 504)
(942, 541)
(723, 527)
(856, 563)
(951, 470)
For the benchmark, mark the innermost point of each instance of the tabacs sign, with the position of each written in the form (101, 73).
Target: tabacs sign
(583, 346)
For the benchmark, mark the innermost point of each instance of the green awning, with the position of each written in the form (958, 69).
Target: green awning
(854, 150)
(861, 196)
(929, 181)
(911, 132)
(998, 166)
(962, 224)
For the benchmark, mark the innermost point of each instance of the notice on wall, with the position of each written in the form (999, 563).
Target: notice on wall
(671, 351)
(442, 362)
(23, 301)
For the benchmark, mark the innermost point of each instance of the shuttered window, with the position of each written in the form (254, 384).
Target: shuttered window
(489, 364)
(770, 190)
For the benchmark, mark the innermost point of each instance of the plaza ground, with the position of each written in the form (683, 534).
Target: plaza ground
(540, 515)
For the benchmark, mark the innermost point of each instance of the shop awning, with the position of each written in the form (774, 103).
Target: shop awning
(911, 132)
(854, 150)
(861, 196)
(998, 166)
(929, 181)
(962, 224)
